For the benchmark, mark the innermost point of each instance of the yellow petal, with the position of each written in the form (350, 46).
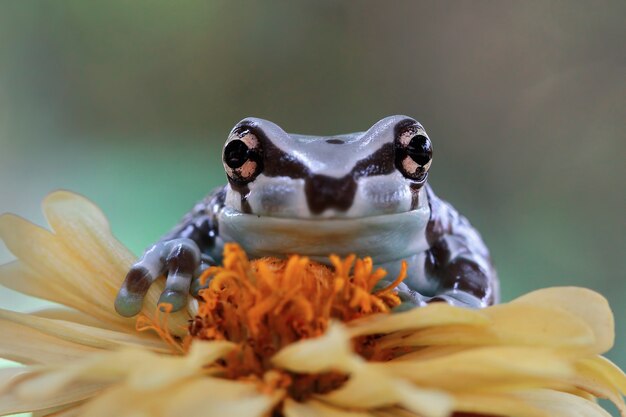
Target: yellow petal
(489, 367)
(71, 410)
(74, 283)
(361, 391)
(330, 352)
(370, 386)
(438, 314)
(42, 254)
(85, 231)
(591, 376)
(608, 371)
(426, 402)
(81, 265)
(82, 334)
(314, 408)
(200, 397)
(393, 412)
(12, 402)
(511, 324)
(539, 325)
(9, 377)
(18, 277)
(497, 405)
(212, 397)
(29, 346)
(561, 404)
(71, 315)
(169, 369)
(585, 304)
(141, 368)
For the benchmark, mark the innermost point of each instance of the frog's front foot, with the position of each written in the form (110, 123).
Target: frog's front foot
(180, 259)
(458, 299)
(411, 299)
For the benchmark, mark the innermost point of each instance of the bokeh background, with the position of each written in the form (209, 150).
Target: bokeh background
(129, 103)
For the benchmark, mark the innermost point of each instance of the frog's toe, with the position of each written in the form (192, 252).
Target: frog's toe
(458, 299)
(176, 290)
(197, 286)
(196, 282)
(129, 299)
(176, 299)
(404, 306)
(409, 299)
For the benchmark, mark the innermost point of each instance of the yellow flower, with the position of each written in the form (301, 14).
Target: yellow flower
(273, 337)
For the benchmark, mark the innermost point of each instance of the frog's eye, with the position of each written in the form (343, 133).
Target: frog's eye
(243, 157)
(414, 153)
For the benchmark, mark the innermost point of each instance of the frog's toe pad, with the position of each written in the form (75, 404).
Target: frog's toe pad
(176, 299)
(128, 304)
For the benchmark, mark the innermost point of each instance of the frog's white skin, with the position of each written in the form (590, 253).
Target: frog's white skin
(363, 193)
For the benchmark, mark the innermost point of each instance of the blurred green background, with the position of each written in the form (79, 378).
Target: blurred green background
(130, 102)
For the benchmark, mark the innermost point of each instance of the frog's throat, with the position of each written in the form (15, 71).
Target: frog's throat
(385, 238)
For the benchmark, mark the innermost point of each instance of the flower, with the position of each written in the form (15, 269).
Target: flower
(283, 337)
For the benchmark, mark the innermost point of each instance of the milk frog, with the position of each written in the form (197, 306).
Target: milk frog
(363, 193)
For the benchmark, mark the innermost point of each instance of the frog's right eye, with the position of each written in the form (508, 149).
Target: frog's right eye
(414, 152)
(243, 157)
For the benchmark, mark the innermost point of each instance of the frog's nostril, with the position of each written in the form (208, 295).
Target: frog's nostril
(324, 192)
(335, 141)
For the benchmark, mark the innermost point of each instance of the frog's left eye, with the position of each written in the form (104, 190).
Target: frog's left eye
(243, 159)
(414, 153)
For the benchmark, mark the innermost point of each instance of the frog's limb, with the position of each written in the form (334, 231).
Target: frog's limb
(183, 254)
(458, 261)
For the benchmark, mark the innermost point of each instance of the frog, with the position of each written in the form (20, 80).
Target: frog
(363, 193)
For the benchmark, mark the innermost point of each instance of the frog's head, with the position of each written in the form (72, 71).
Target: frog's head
(275, 174)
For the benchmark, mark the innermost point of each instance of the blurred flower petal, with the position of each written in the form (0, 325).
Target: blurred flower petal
(488, 367)
(513, 324)
(19, 277)
(29, 346)
(561, 404)
(329, 352)
(71, 315)
(12, 402)
(496, 404)
(314, 408)
(142, 369)
(371, 387)
(584, 304)
(80, 333)
(436, 314)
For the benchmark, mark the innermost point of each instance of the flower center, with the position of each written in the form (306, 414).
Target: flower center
(267, 304)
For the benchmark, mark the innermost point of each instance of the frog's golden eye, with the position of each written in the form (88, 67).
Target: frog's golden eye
(243, 158)
(414, 153)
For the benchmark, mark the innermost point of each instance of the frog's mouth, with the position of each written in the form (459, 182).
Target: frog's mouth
(383, 237)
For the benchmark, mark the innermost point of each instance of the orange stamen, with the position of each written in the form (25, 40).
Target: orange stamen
(158, 323)
(395, 283)
(266, 304)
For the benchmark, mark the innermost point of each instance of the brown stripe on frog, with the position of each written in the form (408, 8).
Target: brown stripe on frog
(243, 190)
(138, 280)
(322, 192)
(415, 188)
